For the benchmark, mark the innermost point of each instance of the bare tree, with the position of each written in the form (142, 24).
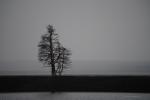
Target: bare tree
(63, 60)
(52, 53)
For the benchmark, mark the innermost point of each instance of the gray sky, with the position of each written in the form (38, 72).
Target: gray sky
(92, 29)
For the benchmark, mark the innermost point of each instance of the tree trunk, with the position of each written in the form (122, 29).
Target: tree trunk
(52, 56)
(53, 70)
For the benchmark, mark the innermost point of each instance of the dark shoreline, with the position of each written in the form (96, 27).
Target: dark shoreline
(133, 84)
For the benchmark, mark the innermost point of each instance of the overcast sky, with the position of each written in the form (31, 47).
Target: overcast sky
(92, 29)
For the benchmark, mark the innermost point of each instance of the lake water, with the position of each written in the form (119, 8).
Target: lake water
(74, 96)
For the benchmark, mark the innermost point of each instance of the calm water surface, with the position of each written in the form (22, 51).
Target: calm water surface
(74, 96)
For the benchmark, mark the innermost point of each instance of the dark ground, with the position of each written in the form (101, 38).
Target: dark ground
(133, 84)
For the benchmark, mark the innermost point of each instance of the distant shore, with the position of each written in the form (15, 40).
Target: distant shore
(103, 83)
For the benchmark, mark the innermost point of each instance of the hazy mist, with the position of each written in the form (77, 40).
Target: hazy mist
(95, 30)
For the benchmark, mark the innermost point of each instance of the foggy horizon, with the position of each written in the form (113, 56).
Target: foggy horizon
(77, 68)
(104, 30)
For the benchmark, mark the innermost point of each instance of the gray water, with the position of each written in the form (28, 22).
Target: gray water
(74, 96)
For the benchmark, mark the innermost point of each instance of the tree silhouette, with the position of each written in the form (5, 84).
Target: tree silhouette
(52, 53)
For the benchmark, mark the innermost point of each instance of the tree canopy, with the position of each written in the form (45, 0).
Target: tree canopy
(52, 53)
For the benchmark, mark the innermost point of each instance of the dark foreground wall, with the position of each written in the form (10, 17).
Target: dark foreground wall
(75, 84)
